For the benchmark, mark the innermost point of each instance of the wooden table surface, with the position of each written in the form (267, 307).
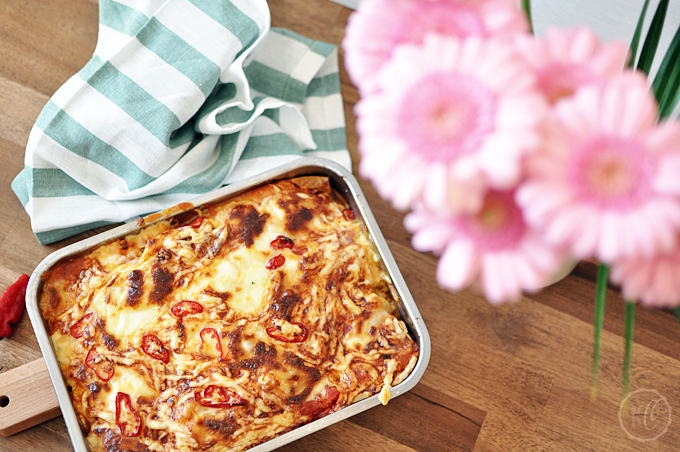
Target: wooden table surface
(515, 377)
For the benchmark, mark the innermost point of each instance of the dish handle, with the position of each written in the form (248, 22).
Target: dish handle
(27, 398)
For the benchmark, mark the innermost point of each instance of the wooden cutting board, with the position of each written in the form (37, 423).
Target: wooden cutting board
(27, 398)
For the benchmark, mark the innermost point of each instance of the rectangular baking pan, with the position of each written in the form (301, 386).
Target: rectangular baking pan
(342, 181)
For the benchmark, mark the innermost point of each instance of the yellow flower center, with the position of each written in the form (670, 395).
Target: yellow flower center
(610, 175)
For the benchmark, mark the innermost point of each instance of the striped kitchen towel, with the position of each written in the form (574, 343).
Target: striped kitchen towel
(179, 98)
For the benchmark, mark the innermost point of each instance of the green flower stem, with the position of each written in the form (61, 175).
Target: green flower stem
(636, 36)
(652, 39)
(676, 311)
(526, 6)
(600, 295)
(629, 320)
(666, 85)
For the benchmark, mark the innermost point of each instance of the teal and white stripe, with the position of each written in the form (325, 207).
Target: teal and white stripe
(179, 98)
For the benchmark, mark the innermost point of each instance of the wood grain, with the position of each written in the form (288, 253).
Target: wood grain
(508, 378)
(26, 398)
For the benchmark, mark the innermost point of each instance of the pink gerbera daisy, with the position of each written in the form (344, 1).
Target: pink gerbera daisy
(378, 26)
(567, 59)
(452, 117)
(494, 248)
(600, 187)
(654, 281)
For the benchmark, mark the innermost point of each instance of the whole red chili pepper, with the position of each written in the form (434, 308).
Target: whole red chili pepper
(210, 335)
(186, 307)
(79, 328)
(12, 304)
(218, 397)
(101, 366)
(153, 347)
(281, 242)
(275, 262)
(128, 421)
(275, 333)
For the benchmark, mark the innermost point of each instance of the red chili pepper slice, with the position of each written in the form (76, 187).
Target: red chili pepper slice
(128, 421)
(275, 333)
(153, 347)
(198, 221)
(281, 242)
(348, 214)
(186, 307)
(12, 304)
(79, 328)
(322, 402)
(101, 366)
(275, 262)
(218, 397)
(210, 336)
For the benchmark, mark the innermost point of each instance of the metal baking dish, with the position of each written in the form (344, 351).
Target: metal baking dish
(341, 180)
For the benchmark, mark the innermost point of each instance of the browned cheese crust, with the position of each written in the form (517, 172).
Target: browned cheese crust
(228, 325)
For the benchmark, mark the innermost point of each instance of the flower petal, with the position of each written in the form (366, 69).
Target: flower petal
(458, 266)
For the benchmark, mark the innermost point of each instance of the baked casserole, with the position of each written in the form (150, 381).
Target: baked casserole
(227, 325)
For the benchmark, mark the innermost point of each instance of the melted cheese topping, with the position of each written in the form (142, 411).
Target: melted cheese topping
(223, 334)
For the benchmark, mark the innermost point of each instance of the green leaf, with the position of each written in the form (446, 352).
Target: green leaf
(676, 311)
(636, 36)
(600, 295)
(526, 6)
(666, 84)
(652, 39)
(629, 322)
